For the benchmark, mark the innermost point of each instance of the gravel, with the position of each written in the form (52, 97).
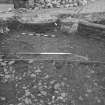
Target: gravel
(60, 3)
(49, 86)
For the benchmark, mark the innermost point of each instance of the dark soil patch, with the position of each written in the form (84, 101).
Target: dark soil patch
(76, 44)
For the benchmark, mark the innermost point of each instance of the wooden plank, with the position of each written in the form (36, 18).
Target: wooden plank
(90, 24)
(70, 20)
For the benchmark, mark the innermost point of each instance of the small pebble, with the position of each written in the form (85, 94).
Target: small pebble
(20, 104)
(63, 94)
(53, 36)
(96, 84)
(9, 9)
(3, 64)
(65, 78)
(3, 98)
(98, 101)
(1, 60)
(37, 34)
(23, 33)
(92, 71)
(47, 76)
(53, 97)
(41, 66)
(57, 86)
(71, 47)
(31, 61)
(44, 93)
(41, 101)
(7, 29)
(45, 35)
(81, 98)
(39, 94)
(31, 34)
(1, 75)
(11, 62)
(67, 5)
(27, 93)
(89, 90)
(88, 76)
(24, 87)
(38, 71)
(42, 34)
(55, 24)
(35, 67)
(40, 84)
(86, 95)
(61, 98)
(52, 82)
(7, 76)
(62, 83)
(33, 75)
(27, 101)
(56, 91)
(19, 78)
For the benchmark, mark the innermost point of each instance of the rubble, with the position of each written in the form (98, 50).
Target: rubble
(50, 88)
(61, 3)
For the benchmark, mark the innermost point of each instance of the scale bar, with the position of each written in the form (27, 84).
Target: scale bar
(54, 53)
(46, 53)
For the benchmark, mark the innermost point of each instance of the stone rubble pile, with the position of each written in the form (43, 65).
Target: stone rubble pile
(60, 3)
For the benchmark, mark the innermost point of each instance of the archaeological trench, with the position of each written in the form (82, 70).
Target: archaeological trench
(29, 76)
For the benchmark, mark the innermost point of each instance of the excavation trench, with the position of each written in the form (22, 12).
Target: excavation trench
(45, 64)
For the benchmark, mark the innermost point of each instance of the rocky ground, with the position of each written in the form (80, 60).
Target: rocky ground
(51, 82)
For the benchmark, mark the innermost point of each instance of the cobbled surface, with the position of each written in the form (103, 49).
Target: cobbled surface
(51, 82)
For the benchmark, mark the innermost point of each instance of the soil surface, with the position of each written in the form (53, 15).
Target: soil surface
(29, 43)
